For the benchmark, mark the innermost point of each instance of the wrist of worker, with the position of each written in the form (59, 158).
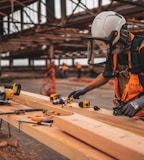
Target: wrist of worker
(140, 101)
(85, 89)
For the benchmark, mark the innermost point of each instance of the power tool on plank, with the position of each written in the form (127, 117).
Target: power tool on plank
(58, 99)
(86, 104)
(8, 91)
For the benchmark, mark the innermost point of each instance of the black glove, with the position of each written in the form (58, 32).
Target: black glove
(78, 93)
(131, 108)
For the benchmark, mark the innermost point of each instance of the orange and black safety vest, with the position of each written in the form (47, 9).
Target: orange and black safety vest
(135, 86)
(78, 65)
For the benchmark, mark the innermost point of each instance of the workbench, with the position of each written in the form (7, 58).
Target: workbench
(80, 133)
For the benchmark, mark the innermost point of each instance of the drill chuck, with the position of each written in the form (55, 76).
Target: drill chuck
(59, 101)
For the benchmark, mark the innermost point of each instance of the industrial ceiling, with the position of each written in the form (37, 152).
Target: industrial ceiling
(59, 38)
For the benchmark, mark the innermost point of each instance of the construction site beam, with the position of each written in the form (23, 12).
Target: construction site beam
(63, 11)
(50, 10)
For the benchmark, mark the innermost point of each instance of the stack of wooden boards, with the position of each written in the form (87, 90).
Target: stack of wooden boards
(78, 133)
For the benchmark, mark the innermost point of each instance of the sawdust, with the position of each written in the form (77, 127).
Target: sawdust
(27, 148)
(13, 153)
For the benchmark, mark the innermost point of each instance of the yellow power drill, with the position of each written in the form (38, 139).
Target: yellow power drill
(8, 91)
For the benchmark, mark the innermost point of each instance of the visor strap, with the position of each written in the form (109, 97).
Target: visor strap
(109, 60)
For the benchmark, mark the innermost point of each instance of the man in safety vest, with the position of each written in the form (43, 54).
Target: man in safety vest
(124, 62)
(79, 69)
(64, 70)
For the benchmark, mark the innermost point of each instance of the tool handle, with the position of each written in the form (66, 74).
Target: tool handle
(15, 112)
(31, 110)
(49, 122)
(22, 111)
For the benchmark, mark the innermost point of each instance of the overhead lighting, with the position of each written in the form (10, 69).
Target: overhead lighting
(43, 47)
(22, 47)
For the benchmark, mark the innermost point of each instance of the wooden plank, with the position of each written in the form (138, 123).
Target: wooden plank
(119, 143)
(103, 115)
(114, 141)
(39, 101)
(53, 137)
(106, 116)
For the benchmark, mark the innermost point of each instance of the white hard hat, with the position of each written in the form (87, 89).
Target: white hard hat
(106, 22)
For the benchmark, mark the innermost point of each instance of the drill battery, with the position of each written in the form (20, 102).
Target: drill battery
(84, 104)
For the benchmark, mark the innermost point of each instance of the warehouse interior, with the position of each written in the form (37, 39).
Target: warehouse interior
(44, 30)
(36, 38)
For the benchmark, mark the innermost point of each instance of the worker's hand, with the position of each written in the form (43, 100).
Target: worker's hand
(78, 93)
(131, 108)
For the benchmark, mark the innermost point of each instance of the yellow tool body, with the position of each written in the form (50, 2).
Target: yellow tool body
(84, 104)
(14, 90)
(54, 97)
(8, 91)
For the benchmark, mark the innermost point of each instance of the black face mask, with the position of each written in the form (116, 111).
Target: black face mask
(98, 45)
(124, 43)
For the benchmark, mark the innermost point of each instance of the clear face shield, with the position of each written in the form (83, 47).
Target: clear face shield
(96, 49)
(99, 47)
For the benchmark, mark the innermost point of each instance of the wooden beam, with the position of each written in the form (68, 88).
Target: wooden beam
(115, 141)
(103, 115)
(53, 137)
(38, 101)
